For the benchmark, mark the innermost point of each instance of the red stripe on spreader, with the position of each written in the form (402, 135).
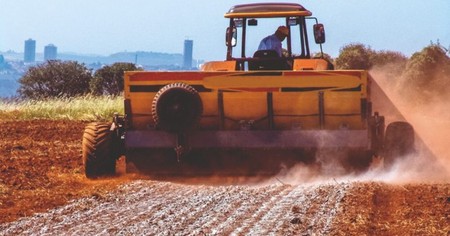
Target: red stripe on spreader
(174, 76)
(196, 76)
(314, 73)
(256, 89)
(304, 73)
(351, 73)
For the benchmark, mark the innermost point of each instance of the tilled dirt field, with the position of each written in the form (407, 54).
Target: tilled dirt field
(43, 191)
(41, 167)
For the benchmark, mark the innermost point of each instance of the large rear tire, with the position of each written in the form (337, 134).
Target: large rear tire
(398, 142)
(99, 150)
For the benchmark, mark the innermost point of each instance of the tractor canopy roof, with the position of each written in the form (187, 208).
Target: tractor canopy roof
(266, 10)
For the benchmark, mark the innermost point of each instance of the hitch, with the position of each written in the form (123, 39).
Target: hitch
(376, 129)
(182, 146)
(117, 126)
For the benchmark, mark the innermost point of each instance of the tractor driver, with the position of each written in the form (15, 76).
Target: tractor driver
(273, 42)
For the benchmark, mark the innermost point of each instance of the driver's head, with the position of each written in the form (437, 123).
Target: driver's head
(282, 32)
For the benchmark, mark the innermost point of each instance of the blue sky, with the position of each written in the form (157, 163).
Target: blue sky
(104, 27)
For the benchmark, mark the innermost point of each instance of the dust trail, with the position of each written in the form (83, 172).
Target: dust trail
(415, 168)
(431, 121)
(430, 117)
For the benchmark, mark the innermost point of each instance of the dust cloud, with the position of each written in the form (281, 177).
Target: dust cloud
(420, 167)
(430, 118)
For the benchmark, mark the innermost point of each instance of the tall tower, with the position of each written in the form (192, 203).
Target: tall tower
(2, 62)
(50, 52)
(30, 51)
(187, 54)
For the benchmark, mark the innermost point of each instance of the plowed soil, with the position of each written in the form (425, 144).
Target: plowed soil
(43, 191)
(41, 167)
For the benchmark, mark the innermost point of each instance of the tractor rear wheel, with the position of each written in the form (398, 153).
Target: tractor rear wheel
(99, 150)
(398, 142)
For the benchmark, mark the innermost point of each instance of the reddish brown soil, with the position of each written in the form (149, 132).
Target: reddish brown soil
(41, 167)
(41, 172)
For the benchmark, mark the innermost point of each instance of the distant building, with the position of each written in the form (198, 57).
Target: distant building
(50, 52)
(187, 55)
(2, 62)
(30, 51)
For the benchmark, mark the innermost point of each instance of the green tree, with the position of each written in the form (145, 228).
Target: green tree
(55, 78)
(427, 65)
(355, 56)
(427, 72)
(382, 58)
(109, 79)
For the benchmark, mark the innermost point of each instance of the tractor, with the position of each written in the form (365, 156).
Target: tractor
(258, 111)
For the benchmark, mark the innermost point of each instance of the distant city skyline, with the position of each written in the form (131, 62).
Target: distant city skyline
(158, 60)
(29, 54)
(103, 27)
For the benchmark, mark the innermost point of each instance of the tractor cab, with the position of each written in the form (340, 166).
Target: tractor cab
(251, 23)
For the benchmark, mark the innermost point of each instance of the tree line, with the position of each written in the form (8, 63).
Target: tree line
(426, 72)
(425, 75)
(56, 78)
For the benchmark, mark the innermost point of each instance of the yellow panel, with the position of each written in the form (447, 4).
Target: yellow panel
(295, 103)
(296, 110)
(343, 109)
(310, 64)
(245, 105)
(342, 102)
(141, 102)
(219, 66)
(210, 103)
(141, 107)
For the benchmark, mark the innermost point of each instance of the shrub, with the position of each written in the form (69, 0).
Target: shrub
(108, 80)
(355, 56)
(427, 73)
(55, 78)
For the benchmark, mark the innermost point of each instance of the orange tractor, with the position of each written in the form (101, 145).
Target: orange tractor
(257, 111)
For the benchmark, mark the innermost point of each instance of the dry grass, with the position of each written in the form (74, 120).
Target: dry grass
(86, 108)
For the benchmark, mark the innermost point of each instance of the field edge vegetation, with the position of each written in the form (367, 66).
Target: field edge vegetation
(82, 108)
